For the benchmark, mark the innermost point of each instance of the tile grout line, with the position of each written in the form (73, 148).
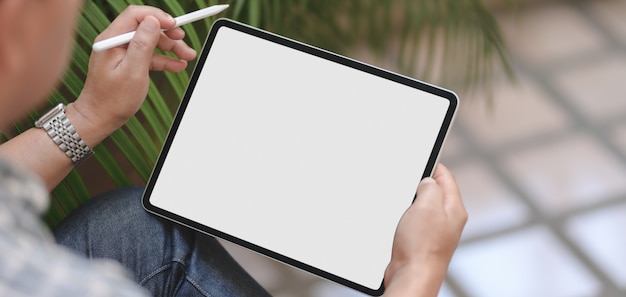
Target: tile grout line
(536, 214)
(555, 225)
(536, 140)
(615, 201)
(582, 7)
(518, 145)
(544, 80)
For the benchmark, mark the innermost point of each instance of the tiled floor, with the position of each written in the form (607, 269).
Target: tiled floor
(542, 172)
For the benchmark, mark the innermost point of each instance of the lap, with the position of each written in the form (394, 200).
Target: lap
(166, 258)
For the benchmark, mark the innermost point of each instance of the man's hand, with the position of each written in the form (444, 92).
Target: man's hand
(118, 79)
(116, 86)
(426, 238)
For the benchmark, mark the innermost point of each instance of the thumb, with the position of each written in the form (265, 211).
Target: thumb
(141, 47)
(429, 192)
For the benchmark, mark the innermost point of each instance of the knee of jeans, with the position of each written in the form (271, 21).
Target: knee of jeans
(124, 195)
(117, 201)
(101, 212)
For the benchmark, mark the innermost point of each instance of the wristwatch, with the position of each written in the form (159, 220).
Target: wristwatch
(59, 128)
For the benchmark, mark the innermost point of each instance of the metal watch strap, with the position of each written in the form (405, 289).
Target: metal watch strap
(59, 128)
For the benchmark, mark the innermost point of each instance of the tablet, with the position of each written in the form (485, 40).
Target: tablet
(298, 153)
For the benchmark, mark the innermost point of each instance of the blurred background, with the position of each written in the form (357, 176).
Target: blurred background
(538, 147)
(542, 166)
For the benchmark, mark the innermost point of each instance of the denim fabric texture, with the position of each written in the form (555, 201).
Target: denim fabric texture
(165, 258)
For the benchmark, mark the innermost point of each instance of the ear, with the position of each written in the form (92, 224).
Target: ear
(11, 60)
(11, 18)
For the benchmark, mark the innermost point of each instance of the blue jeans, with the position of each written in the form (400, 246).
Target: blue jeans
(166, 258)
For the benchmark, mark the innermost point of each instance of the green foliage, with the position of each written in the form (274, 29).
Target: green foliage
(453, 42)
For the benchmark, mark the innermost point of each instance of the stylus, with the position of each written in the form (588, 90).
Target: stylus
(125, 38)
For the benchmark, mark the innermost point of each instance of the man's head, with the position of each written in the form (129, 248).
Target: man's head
(35, 47)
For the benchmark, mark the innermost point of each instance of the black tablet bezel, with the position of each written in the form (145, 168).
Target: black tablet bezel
(444, 94)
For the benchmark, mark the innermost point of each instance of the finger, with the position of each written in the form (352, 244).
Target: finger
(164, 63)
(141, 47)
(132, 16)
(175, 33)
(452, 194)
(178, 47)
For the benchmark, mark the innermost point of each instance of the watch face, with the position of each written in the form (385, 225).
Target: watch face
(51, 114)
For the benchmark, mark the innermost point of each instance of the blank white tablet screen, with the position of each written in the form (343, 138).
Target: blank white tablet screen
(299, 155)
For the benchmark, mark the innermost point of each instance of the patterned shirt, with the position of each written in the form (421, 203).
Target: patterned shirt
(32, 264)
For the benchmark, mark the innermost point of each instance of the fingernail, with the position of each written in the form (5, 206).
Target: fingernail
(429, 180)
(149, 26)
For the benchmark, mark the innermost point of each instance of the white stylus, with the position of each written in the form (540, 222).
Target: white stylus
(112, 42)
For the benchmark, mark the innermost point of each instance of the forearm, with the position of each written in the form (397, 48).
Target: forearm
(35, 151)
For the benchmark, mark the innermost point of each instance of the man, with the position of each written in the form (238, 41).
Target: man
(165, 259)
